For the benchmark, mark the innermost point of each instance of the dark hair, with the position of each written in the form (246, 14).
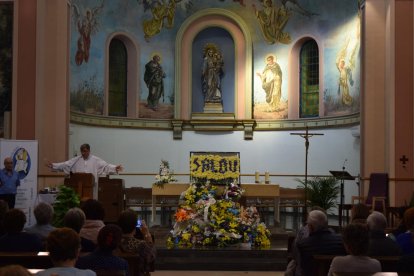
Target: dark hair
(109, 237)
(43, 213)
(360, 212)
(74, 218)
(4, 207)
(63, 244)
(409, 218)
(14, 221)
(93, 209)
(356, 238)
(85, 146)
(127, 220)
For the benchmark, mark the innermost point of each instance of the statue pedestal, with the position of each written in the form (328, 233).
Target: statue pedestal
(213, 108)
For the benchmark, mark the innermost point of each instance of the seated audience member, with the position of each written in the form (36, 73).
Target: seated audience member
(321, 241)
(130, 244)
(43, 213)
(15, 240)
(406, 240)
(14, 270)
(4, 207)
(63, 245)
(303, 232)
(103, 257)
(94, 213)
(360, 212)
(379, 243)
(356, 241)
(401, 227)
(75, 219)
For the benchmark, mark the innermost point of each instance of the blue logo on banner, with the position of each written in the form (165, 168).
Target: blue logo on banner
(22, 162)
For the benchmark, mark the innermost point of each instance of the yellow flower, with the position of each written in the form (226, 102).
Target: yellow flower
(186, 236)
(233, 224)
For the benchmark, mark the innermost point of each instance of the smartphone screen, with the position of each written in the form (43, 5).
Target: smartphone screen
(138, 223)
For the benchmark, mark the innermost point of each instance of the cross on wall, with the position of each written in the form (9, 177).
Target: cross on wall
(404, 160)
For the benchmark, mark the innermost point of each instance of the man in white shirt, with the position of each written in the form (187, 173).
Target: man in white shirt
(86, 163)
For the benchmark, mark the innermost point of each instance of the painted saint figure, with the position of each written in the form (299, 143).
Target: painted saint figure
(212, 72)
(271, 78)
(153, 78)
(272, 21)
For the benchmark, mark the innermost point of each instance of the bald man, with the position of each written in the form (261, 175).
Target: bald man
(9, 181)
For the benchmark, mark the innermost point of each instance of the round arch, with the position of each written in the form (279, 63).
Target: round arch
(237, 28)
(133, 71)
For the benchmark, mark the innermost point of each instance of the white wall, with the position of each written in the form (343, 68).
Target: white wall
(278, 152)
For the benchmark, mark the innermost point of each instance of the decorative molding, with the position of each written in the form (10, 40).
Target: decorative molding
(212, 122)
(248, 129)
(121, 122)
(328, 122)
(177, 129)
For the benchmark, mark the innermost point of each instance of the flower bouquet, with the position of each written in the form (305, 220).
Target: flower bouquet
(165, 175)
(205, 218)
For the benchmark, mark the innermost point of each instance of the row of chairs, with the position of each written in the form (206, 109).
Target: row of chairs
(140, 199)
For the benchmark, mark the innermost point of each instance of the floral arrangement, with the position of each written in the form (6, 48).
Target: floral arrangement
(205, 218)
(165, 175)
(233, 191)
(217, 168)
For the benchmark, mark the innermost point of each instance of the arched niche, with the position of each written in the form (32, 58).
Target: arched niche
(238, 30)
(133, 72)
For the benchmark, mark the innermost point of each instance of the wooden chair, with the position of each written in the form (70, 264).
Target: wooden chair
(139, 198)
(377, 197)
(293, 198)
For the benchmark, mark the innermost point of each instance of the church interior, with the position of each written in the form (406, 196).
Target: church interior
(298, 90)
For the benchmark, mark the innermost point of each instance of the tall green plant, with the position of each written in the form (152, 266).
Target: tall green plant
(321, 191)
(66, 198)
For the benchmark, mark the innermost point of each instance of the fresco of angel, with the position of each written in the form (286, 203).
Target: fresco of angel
(273, 18)
(272, 21)
(161, 12)
(345, 62)
(87, 24)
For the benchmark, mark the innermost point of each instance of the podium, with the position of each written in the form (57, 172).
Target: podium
(342, 176)
(111, 196)
(82, 183)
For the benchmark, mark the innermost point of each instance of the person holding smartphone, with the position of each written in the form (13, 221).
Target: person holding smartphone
(137, 239)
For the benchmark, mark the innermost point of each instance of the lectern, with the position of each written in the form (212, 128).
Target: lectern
(342, 176)
(82, 183)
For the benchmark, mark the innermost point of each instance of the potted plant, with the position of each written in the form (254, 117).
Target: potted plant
(321, 191)
(66, 198)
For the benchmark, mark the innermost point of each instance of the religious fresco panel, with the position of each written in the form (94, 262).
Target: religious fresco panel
(274, 25)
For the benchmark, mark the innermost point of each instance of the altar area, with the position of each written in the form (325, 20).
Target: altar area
(252, 191)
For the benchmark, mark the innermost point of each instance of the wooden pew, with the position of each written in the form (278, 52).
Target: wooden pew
(32, 260)
(26, 259)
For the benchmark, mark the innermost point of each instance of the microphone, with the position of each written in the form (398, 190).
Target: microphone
(71, 167)
(343, 165)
